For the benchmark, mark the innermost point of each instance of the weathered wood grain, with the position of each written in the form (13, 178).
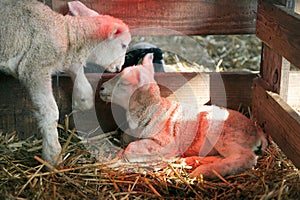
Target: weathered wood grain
(279, 29)
(237, 90)
(169, 17)
(277, 119)
(271, 63)
(15, 107)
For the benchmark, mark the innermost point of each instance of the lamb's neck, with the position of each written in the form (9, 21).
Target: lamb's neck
(143, 105)
(154, 118)
(83, 34)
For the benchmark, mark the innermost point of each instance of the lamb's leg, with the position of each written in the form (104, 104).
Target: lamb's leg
(145, 150)
(196, 161)
(83, 98)
(234, 163)
(40, 90)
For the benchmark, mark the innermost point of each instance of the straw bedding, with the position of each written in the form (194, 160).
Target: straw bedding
(24, 175)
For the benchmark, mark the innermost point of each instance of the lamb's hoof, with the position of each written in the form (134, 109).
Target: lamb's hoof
(53, 161)
(204, 172)
(120, 155)
(193, 161)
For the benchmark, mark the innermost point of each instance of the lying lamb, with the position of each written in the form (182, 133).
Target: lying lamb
(210, 137)
(36, 42)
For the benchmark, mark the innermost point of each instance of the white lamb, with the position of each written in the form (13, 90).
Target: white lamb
(36, 42)
(210, 137)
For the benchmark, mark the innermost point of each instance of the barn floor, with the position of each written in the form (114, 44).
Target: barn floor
(23, 175)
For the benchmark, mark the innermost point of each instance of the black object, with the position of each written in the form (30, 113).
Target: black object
(135, 57)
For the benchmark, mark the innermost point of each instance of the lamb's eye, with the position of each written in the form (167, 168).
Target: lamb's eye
(124, 46)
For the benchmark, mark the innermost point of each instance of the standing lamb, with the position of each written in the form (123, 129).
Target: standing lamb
(219, 139)
(36, 42)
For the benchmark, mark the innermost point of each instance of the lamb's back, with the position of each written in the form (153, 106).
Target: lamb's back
(29, 27)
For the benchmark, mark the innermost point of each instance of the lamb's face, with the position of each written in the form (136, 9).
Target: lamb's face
(110, 53)
(119, 89)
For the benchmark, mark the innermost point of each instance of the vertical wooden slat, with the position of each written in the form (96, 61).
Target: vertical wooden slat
(271, 68)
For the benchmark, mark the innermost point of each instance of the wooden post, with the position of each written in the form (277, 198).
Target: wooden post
(276, 27)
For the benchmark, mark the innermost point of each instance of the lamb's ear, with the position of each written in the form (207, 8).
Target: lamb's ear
(148, 62)
(117, 30)
(79, 9)
(147, 71)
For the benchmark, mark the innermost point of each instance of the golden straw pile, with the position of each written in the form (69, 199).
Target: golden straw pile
(24, 175)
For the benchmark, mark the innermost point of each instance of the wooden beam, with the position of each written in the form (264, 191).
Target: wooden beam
(278, 119)
(237, 89)
(224, 89)
(279, 29)
(171, 17)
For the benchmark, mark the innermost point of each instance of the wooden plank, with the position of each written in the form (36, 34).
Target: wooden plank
(15, 105)
(237, 89)
(270, 71)
(170, 17)
(275, 71)
(278, 119)
(279, 29)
